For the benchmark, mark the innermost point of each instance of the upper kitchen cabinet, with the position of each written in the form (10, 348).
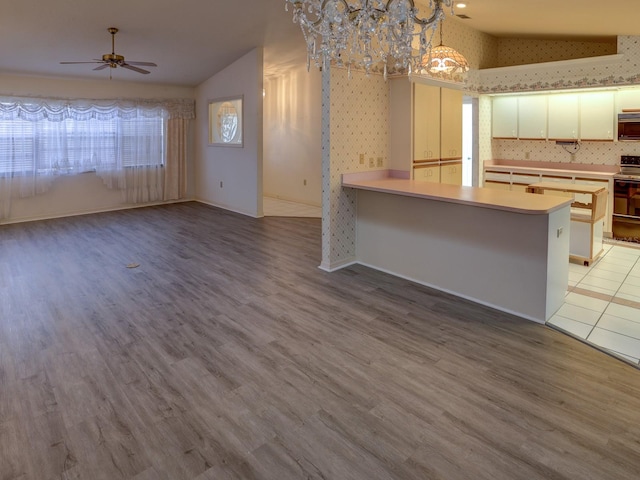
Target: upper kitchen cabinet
(505, 117)
(558, 116)
(532, 117)
(597, 115)
(426, 122)
(629, 99)
(563, 116)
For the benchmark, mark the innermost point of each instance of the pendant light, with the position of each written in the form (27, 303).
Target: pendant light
(444, 61)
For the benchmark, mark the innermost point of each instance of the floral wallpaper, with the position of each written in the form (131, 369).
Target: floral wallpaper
(521, 51)
(612, 70)
(356, 115)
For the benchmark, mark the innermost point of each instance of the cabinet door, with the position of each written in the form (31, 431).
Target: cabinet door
(427, 173)
(563, 116)
(451, 173)
(532, 117)
(597, 113)
(629, 99)
(426, 122)
(504, 117)
(450, 124)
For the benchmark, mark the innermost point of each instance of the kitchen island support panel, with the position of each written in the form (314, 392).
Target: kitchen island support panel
(511, 261)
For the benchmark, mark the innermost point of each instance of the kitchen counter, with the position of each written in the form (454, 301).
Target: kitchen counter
(571, 169)
(518, 174)
(517, 202)
(508, 250)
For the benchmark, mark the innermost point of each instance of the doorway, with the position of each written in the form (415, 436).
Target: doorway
(467, 142)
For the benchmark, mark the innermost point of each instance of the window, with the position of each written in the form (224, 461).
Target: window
(72, 146)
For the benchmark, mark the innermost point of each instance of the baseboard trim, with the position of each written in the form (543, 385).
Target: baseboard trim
(334, 267)
(91, 212)
(451, 292)
(226, 207)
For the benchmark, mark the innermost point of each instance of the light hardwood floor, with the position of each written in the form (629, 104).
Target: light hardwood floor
(227, 354)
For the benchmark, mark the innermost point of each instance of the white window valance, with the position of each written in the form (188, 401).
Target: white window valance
(35, 109)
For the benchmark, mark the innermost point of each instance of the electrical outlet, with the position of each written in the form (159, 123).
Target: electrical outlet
(362, 159)
(527, 155)
(372, 163)
(380, 163)
(220, 183)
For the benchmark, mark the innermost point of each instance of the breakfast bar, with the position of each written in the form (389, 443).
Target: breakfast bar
(508, 250)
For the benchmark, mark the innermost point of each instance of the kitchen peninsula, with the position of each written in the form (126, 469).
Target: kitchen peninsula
(508, 250)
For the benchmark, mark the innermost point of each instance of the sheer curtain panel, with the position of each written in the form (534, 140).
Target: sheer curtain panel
(125, 142)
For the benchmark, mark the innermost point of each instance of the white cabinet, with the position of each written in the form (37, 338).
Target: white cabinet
(451, 172)
(427, 172)
(532, 117)
(597, 115)
(450, 124)
(505, 117)
(563, 118)
(629, 99)
(437, 132)
(560, 116)
(426, 122)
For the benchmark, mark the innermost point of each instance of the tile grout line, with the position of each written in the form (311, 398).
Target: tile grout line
(607, 307)
(610, 299)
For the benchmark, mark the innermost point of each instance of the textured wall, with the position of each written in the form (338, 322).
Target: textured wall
(521, 51)
(356, 113)
(621, 69)
(594, 153)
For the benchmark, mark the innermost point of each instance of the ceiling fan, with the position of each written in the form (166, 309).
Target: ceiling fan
(113, 60)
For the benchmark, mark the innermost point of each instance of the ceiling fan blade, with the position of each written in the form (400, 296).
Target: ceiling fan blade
(135, 69)
(101, 67)
(69, 63)
(142, 64)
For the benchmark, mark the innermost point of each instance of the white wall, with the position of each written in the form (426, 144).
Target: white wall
(238, 170)
(292, 135)
(84, 193)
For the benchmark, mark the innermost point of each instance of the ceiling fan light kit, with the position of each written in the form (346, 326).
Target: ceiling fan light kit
(114, 60)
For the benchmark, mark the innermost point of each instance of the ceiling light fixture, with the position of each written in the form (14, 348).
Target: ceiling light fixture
(367, 34)
(445, 62)
(461, 5)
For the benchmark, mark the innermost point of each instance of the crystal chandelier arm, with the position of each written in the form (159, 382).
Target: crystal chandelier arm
(324, 4)
(435, 16)
(366, 34)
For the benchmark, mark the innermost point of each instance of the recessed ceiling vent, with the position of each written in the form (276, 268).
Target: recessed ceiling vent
(463, 16)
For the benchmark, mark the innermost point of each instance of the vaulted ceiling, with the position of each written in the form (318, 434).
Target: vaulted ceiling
(191, 40)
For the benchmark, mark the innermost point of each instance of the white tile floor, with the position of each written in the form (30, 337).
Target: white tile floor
(275, 207)
(602, 306)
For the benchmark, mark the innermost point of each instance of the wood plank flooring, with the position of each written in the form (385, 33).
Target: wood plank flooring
(227, 354)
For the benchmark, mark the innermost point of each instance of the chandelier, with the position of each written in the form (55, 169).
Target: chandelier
(367, 34)
(445, 62)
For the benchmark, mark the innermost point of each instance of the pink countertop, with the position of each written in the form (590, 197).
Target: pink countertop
(517, 202)
(556, 167)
